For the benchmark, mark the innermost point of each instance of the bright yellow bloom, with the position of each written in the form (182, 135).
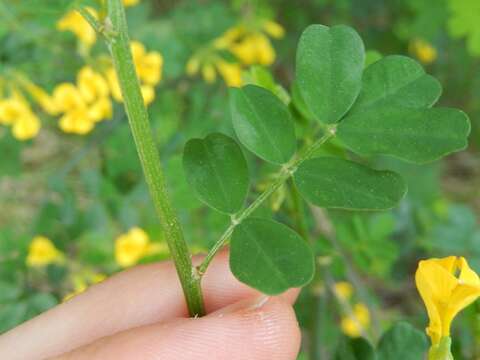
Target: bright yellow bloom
(26, 127)
(344, 290)
(148, 94)
(91, 84)
(67, 97)
(100, 109)
(254, 49)
(355, 324)
(15, 111)
(131, 247)
(76, 121)
(149, 68)
(42, 252)
(10, 110)
(447, 286)
(74, 22)
(114, 84)
(273, 29)
(130, 2)
(423, 51)
(231, 73)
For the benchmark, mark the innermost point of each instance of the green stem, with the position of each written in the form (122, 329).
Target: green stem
(287, 171)
(119, 45)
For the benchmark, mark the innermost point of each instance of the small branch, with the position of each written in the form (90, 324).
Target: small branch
(287, 171)
(119, 46)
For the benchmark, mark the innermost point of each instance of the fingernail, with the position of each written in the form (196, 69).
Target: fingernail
(245, 305)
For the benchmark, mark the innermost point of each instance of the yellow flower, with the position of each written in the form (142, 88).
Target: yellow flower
(423, 50)
(76, 121)
(91, 84)
(43, 99)
(42, 252)
(447, 286)
(114, 84)
(208, 73)
(100, 109)
(130, 2)
(254, 49)
(354, 324)
(273, 29)
(344, 290)
(26, 127)
(149, 68)
(231, 73)
(229, 37)
(10, 110)
(131, 247)
(15, 111)
(67, 97)
(74, 22)
(148, 94)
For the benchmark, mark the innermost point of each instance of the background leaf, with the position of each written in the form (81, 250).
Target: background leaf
(270, 256)
(402, 342)
(355, 349)
(336, 183)
(263, 123)
(216, 169)
(329, 70)
(416, 135)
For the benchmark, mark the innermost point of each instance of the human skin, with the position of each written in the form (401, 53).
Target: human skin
(141, 314)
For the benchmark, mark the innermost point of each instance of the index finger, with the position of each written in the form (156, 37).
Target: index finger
(140, 296)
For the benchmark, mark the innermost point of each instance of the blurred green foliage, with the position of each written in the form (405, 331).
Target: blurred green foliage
(82, 192)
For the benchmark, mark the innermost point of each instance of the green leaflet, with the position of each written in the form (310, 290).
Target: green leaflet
(396, 81)
(355, 349)
(336, 183)
(329, 70)
(415, 135)
(402, 342)
(217, 171)
(263, 123)
(270, 256)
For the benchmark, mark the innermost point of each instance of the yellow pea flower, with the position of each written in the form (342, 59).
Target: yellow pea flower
(149, 68)
(114, 84)
(76, 121)
(43, 99)
(100, 109)
(67, 97)
(148, 94)
(231, 73)
(10, 110)
(447, 286)
(42, 252)
(81, 283)
(245, 50)
(423, 51)
(130, 2)
(208, 73)
(229, 37)
(74, 22)
(91, 84)
(131, 247)
(355, 324)
(344, 290)
(273, 29)
(26, 126)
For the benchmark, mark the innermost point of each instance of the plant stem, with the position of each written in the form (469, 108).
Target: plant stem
(119, 45)
(287, 171)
